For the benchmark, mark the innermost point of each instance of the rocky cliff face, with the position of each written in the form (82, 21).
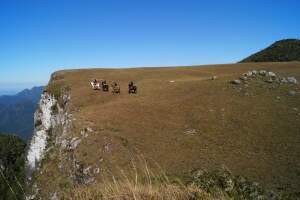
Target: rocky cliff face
(51, 125)
(51, 164)
(44, 120)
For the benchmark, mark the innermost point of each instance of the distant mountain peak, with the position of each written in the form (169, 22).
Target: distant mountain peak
(17, 111)
(280, 51)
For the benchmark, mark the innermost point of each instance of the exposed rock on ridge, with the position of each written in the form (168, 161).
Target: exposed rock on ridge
(43, 120)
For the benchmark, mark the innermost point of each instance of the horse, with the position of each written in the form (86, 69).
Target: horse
(95, 85)
(116, 88)
(105, 86)
(132, 89)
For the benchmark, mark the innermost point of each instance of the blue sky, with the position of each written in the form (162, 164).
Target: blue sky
(38, 37)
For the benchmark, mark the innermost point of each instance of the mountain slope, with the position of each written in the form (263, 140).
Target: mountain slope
(180, 118)
(17, 112)
(280, 51)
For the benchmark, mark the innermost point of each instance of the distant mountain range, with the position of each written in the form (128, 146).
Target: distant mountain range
(17, 111)
(280, 51)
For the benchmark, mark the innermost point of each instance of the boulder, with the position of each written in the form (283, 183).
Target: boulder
(283, 80)
(248, 74)
(236, 82)
(262, 72)
(244, 78)
(292, 80)
(254, 72)
(213, 77)
(191, 132)
(72, 145)
(291, 93)
(271, 74)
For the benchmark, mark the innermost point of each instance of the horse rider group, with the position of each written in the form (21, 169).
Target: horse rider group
(102, 85)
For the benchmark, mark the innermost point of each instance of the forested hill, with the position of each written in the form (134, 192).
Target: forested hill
(280, 51)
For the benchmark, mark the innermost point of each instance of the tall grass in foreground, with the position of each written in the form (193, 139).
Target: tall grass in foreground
(139, 183)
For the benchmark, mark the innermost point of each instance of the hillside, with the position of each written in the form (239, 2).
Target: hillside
(180, 119)
(280, 51)
(17, 111)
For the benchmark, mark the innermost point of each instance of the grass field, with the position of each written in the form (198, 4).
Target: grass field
(183, 120)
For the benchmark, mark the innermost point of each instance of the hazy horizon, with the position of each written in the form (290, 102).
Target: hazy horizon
(40, 37)
(14, 88)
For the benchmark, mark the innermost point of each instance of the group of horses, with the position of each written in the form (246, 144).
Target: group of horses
(116, 89)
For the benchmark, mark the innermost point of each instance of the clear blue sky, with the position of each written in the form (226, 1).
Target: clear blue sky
(38, 37)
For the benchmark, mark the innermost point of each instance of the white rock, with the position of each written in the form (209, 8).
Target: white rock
(74, 143)
(292, 80)
(30, 197)
(283, 80)
(249, 73)
(39, 139)
(254, 72)
(244, 78)
(87, 170)
(262, 72)
(54, 196)
(84, 134)
(191, 131)
(271, 74)
(236, 82)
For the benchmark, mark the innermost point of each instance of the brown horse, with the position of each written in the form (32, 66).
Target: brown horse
(116, 88)
(105, 86)
(132, 89)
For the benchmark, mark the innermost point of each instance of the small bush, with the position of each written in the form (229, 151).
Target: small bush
(58, 89)
(55, 88)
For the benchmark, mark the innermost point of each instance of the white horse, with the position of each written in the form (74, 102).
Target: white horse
(95, 86)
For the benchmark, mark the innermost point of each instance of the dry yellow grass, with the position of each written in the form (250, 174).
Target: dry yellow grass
(128, 191)
(190, 122)
(139, 183)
